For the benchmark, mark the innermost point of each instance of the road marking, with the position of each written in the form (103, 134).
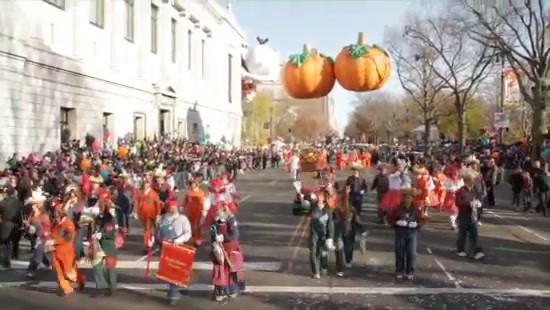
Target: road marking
(203, 287)
(140, 265)
(304, 229)
(442, 267)
(245, 198)
(273, 182)
(505, 249)
(525, 229)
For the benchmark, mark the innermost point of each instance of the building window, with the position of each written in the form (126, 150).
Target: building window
(230, 78)
(57, 3)
(203, 60)
(154, 28)
(189, 49)
(64, 119)
(174, 40)
(129, 24)
(97, 12)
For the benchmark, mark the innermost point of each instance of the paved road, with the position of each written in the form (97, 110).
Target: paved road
(514, 275)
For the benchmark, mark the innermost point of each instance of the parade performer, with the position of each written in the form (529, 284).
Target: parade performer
(194, 209)
(438, 178)
(424, 186)
(164, 189)
(397, 181)
(213, 202)
(406, 220)
(468, 206)
(103, 251)
(148, 209)
(39, 230)
(381, 185)
(352, 158)
(231, 196)
(124, 203)
(452, 183)
(366, 159)
(356, 186)
(287, 154)
(340, 162)
(346, 226)
(173, 227)
(321, 235)
(227, 258)
(64, 259)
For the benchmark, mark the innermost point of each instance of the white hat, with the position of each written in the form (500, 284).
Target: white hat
(356, 166)
(467, 173)
(159, 173)
(36, 197)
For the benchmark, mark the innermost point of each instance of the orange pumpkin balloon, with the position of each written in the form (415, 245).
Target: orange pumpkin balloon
(308, 75)
(361, 67)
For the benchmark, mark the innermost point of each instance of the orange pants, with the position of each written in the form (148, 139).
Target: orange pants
(64, 265)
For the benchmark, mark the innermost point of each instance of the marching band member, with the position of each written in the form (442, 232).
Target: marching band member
(227, 274)
(64, 259)
(173, 227)
(321, 235)
(406, 220)
(453, 182)
(468, 206)
(104, 251)
(148, 209)
(194, 208)
(39, 228)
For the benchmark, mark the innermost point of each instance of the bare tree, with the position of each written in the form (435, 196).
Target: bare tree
(459, 62)
(415, 63)
(518, 30)
(379, 115)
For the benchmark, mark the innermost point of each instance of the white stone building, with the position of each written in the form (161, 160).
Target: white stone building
(141, 67)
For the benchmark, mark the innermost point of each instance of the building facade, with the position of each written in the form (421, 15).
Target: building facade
(139, 67)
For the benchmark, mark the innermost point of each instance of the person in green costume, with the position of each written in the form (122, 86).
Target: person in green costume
(104, 251)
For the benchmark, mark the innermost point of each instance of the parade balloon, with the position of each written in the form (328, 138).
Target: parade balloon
(361, 67)
(308, 74)
(263, 61)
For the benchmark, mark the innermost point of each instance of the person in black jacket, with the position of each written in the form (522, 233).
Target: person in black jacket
(541, 187)
(10, 224)
(406, 220)
(516, 181)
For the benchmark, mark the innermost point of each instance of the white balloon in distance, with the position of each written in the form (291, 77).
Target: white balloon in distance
(263, 61)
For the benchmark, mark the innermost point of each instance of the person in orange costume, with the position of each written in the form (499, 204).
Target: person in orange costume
(352, 158)
(148, 209)
(340, 162)
(424, 186)
(287, 154)
(366, 159)
(194, 208)
(64, 264)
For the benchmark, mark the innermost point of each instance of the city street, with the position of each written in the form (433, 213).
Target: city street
(514, 275)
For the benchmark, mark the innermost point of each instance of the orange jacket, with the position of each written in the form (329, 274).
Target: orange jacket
(63, 234)
(148, 204)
